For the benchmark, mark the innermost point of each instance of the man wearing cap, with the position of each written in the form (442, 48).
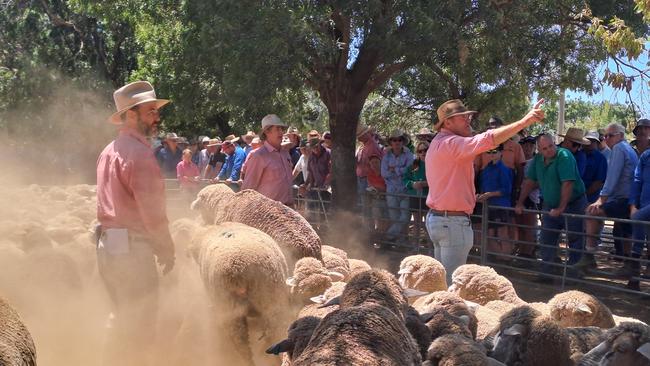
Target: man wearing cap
(235, 157)
(642, 135)
(319, 166)
(133, 229)
(170, 155)
(574, 139)
(613, 200)
(294, 151)
(248, 139)
(268, 170)
(596, 168)
(450, 175)
(395, 163)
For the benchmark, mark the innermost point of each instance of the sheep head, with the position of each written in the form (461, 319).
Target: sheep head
(626, 345)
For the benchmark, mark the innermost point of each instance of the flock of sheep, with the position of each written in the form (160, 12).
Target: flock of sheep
(277, 295)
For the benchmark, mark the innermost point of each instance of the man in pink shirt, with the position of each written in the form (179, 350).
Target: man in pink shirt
(450, 174)
(269, 168)
(133, 226)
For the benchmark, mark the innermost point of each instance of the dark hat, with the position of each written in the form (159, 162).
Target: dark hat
(641, 123)
(494, 120)
(527, 140)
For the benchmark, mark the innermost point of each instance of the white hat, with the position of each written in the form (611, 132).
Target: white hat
(205, 139)
(272, 120)
(131, 95)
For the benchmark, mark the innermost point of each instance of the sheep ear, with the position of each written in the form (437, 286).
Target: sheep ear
(411, 292)
(452, 288)
(196, 204)
(333, 301)
(426, 317)
(427, 363)
(320, 299)
(583, 308)
(291, 282)
(517, 329)
(282, 346)
(593, 357)
(464, 319)
(335, 276)
(404, 271)
(472, 306)
(645, 350)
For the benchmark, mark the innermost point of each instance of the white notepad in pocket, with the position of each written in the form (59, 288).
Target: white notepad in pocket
(115, 241)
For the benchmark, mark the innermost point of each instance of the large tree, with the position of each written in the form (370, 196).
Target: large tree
(345, 50)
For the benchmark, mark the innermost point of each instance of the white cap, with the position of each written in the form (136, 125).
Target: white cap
(272, 120)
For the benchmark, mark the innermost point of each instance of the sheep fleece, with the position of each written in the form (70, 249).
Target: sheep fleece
(16, 344)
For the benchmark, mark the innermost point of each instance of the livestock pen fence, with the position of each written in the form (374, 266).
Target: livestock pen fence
(413, 238)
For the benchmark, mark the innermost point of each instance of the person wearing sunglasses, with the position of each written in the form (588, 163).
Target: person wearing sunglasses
(397, 160)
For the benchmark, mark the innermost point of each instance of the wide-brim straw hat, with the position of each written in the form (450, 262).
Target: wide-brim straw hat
(397, 134)
(131, 95)
(448, 109)
(363, 129)
(576, 135)
(214, 142)
(424, 132)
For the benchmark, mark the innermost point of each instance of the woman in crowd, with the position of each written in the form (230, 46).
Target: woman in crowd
(415, 181)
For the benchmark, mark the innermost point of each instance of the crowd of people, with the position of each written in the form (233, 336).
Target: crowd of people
(597, 173)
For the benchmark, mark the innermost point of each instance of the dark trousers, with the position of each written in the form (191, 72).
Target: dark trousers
(548, 238)
(641, 231)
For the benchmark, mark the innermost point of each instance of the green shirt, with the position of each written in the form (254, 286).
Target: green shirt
(550, 176)
(415, 175)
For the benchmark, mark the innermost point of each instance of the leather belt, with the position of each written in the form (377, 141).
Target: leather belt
(448, 213)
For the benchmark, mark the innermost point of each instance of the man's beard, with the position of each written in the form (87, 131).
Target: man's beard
(145, 129)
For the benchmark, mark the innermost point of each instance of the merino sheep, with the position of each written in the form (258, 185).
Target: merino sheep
(487, 320)
(627, 344)
(243, 271)
(311, 278)
(450, 302)
(454, 350)
(369, 334)
(415, 323)
(583, 339)
(16, 344)
(578, 309)
(298, 335)
(441, 322)
(375, 286)
(295, 236)
(336, 260)
(422, 273)
(482, 284)
(357, 266)
(316, 309)
(525, 337)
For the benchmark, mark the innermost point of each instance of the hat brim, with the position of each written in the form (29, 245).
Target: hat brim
(116, 118)
(364, 131)
(438, 125)
(582, 141)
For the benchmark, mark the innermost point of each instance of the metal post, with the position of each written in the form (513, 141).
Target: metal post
(484, 232)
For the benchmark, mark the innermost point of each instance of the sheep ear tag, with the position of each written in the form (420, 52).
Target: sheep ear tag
(411, 292)
(583, 308)
(320, 299)
(291, 282)
(335, 276)
(645, 350)
(517, 329)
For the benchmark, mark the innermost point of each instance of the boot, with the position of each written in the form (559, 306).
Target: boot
(631, 268)
(586, 262)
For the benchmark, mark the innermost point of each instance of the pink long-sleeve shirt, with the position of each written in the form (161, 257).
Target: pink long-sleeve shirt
(269, 171)
(185, 172)
(450, 170)
(131, 191)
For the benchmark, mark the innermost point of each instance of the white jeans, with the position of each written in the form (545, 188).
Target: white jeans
(452, 239)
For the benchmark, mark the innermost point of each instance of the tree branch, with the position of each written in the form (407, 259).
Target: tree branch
(382, 76)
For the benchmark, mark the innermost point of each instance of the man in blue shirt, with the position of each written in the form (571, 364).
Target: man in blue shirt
(596, 170)
(613, 200)
(496, 188)
(235, 157)
(169, 156)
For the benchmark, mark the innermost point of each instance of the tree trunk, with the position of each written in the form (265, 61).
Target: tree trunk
(343, 127)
